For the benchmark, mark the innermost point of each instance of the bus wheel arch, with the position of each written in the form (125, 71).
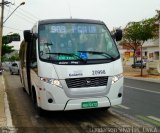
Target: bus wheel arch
(40, 111)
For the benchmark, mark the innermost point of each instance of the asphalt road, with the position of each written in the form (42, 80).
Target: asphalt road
(141, 99)
(25, 119)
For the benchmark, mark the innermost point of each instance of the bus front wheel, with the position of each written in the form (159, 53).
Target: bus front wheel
(39, 111)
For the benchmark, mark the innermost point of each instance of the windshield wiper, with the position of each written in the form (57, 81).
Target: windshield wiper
(69, 54)
(101, 53)
(48, 44)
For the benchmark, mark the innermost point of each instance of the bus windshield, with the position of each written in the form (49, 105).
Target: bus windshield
(76, 41)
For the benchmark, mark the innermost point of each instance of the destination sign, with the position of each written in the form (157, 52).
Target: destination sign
(73, 29)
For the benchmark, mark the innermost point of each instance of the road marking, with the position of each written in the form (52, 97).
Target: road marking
(154, 122)
(142, 89)
(122, 106)
(154, 118)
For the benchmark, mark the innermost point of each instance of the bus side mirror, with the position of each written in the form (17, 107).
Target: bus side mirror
(27, 35)
(117, 35)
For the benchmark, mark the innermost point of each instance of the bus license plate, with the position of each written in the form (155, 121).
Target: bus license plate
(91, 104)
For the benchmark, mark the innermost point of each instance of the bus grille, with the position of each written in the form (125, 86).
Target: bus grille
(86, 82)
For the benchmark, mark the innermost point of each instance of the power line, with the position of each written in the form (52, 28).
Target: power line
(28, 20)
(33, 16)
(13, 12)
(24, 18)
(27, 15)
(30, 14)
(12, 28)
(9, 10)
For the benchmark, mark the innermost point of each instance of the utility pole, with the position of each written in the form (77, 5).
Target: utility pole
(2, 4)
(1, 28)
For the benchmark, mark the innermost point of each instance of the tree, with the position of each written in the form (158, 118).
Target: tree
(136, 33)
(130, 39)
(157, 15)
(14, 58)
(146, 31)
(5, 47)
(157, 23)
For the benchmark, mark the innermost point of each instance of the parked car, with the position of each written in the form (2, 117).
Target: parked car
(1, 70)
(138, 64)
(14, 68)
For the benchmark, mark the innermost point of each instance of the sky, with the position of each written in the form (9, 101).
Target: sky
(114, 13)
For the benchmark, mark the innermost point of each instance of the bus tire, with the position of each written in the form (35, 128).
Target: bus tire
(24, 89)
(39, 111)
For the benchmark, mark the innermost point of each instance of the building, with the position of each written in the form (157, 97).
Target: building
(151, 50)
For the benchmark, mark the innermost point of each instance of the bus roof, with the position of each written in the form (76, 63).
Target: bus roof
(48, 21)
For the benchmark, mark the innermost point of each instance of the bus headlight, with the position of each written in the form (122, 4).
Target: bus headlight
(51, 81)
(116, 78)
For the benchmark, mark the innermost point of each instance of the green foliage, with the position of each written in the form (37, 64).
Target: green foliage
(9, 38)
(139, 32)
(6, 49)
(130, 33)
(157, 17)
(4, 58)
(147, 30)
(6, 39)
(14, 58)
(136, 33)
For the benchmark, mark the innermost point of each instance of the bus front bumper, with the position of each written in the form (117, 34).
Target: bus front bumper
(87, 103)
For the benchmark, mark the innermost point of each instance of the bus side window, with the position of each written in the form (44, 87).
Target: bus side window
(33, 56)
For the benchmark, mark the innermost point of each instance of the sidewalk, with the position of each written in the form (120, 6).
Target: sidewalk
(134, 73)
(3, 118)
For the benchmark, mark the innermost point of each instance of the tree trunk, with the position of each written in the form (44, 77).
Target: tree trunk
(134, 57)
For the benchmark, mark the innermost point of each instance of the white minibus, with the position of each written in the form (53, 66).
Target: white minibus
(71, 64)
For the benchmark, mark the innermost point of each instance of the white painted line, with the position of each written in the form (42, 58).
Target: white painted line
(124, 107)
(9, 123)
(142, 89)
(121, 106)
(154, 118)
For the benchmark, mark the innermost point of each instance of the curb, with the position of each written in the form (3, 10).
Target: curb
(143, 79)
(5, 115)
(3, 121)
